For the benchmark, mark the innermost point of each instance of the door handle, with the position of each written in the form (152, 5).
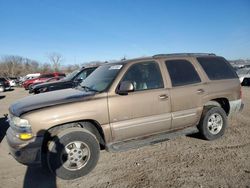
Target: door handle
(200, 91)
(164, 96)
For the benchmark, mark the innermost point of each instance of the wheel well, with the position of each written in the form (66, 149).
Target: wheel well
(91, 125)
(222, 102)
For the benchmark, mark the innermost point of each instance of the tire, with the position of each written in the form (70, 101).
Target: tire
(73, 152)
(29, 88)
(212, 123)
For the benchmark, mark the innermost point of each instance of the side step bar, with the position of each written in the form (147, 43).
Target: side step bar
(150, 140)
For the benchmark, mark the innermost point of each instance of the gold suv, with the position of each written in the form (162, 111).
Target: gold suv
(124, 105)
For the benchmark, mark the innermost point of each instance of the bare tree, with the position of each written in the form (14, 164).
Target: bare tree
(55, 60)
(12, 66)
(45, 68)
(70, 68)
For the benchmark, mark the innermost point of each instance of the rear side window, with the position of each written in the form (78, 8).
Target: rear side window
(217, 68)
(182, 72)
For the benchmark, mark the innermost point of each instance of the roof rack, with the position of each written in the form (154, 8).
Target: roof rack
(183, 54)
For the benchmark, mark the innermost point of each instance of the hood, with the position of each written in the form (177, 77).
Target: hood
(53, 98)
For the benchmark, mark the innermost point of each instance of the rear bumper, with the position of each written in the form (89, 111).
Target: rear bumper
(25, 152)
(236, 106)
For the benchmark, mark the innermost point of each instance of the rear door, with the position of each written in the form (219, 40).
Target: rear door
(186, 93)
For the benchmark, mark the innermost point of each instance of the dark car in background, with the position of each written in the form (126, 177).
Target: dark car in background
(42, 78)
(4, 84)
(54, 79)
(71, 80)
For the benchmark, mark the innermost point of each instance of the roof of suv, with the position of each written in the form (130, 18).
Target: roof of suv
(164, 56)
(183, 55)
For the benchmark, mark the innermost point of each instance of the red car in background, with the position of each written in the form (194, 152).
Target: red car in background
(42, 78)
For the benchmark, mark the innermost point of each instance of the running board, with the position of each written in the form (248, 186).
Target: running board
(150, 140)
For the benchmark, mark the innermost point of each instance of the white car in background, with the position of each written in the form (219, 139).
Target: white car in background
(29, 76)
(12, 81)
(244, 76)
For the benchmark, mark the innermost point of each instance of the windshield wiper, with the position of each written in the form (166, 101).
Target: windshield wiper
(86, 88)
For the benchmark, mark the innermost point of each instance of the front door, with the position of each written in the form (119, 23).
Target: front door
(145, 111)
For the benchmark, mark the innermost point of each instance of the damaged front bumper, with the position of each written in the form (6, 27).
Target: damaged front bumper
(26, 152)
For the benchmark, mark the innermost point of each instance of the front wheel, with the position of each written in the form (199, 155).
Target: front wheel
(73, 153)
(213, 122)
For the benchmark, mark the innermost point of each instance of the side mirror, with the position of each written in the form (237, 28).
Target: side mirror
(125, 87)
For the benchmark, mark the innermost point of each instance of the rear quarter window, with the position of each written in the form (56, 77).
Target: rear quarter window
(217, 68)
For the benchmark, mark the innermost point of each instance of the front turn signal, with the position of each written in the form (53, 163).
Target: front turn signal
(25, 136)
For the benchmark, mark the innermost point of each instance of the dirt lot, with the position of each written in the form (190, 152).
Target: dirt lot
(181, 162)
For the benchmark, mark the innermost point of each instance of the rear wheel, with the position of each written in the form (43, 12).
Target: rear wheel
(73, 153)
(213, 122)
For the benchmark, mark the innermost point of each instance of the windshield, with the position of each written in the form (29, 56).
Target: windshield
(71, 75)
(101, 78)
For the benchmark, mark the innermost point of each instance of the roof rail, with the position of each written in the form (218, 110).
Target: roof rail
(183, 54)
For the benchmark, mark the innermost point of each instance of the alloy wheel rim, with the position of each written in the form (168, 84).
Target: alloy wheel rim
(215, 123)
(75, 156)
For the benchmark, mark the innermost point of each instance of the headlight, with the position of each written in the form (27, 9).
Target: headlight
(23, 123)
(21, 127)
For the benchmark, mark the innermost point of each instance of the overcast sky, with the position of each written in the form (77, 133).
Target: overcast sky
(109, 29)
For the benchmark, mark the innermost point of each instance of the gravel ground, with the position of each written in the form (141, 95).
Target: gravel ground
(181, 162)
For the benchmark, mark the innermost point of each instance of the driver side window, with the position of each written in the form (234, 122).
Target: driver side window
(144, 76)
